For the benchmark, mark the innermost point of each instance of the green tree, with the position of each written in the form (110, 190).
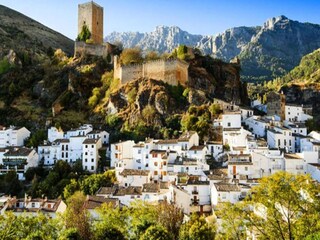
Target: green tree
(233, 226)
(148, 114)
(287, 206)
(76, 216)
(197, 229)
(85, 34)
(71, 188)
(170, 217)
(131, 55)
(28, 227)
(156, 232)
(113, 221)
(91, 184)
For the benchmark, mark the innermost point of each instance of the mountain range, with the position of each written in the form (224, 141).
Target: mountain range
(266, 51)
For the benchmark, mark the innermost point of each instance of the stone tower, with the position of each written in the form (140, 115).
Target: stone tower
(91, 14)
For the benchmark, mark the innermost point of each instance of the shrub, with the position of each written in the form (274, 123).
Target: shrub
(85, 34)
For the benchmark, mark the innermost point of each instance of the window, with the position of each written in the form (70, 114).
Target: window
(285, 142)
(164, 163)
(92, 146)
(85, 168)
(155, 173)
(33, 205)
(62, 147)
(288, 113)
(139, 151)
(86, 153)
(62, 154)
(87, 146)
(66, 155)
(246, 168)
(164, 173)
(229, 124)
(92, 160)
(290, 142)
(155, 163)
(86, 160)
(278, 142)
(67, 147)
(92, 167)
(154, 155)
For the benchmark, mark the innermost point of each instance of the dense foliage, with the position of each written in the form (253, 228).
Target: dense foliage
(282, 206)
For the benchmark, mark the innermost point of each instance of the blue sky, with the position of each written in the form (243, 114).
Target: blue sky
(206, 17)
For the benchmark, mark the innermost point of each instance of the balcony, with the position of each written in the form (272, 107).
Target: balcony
(195, 192)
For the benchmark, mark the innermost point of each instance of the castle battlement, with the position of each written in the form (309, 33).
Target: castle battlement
(171, 71)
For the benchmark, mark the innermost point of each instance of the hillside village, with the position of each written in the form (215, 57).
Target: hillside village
(191, 173)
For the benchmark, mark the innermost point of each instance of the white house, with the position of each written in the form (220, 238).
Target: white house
(18, 159)
(158, 165)
(240, 166)
(133, 177)
(189, 166)
(294, 164)
(13, 136)
(257, 125)
(55, 133)
(214, 148)
(155, 192)
(281, 137)
(127, 194)
(267, 163)
(32, 206)
(295, 113)
(199, 191)
(235, 136)
(187, 140)
(81, 131)
(103, 135)
(121, 151)
(298, 128)
(225, 192)
(90, 151)
(231, 119)
(198, 152)
(246, 112)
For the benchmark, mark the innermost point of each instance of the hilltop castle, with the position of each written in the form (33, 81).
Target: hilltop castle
(91, 15)
(172, 71)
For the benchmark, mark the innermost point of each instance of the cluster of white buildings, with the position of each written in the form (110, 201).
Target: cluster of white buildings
(81, 144)
(177, 170)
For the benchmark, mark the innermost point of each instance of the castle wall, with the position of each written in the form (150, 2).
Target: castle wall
(172, 72)
(131, 72)
(91, 14)
(102, 50)
(154, 69)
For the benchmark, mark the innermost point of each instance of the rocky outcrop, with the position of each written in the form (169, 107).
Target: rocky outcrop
(208, 79)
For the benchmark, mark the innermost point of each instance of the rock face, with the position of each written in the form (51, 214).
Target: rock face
(265, 51)
(19, 32)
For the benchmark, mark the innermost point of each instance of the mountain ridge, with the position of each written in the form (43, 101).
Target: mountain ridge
(267, 51)
(20, 32)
